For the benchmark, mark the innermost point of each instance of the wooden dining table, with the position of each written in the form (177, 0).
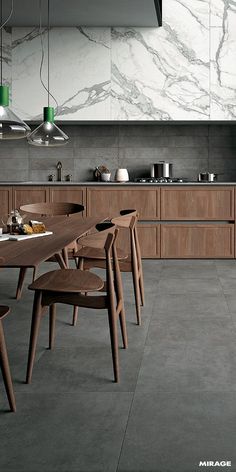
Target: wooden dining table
(32, 252)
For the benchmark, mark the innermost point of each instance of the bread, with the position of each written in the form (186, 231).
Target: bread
(27, 229)
(37, 227)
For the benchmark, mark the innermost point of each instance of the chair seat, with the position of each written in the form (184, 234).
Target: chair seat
(68, 280)
(4, 310)
(94, 253)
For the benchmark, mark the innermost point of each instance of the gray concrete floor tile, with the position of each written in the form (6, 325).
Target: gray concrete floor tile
(64, 433)
(191, 304)
(180, 365)
(183, 367)
(172, 433)
(184, 286)
(201, 330)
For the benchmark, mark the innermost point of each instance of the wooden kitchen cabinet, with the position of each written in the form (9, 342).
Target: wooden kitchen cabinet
(192, 241)
(197, 203)
(149, 239)
(109, 201)
(5, 200)
(72, 194)
(24, 195)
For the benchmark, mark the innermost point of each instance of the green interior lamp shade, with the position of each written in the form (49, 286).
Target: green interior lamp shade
(48, 134)
(11, 126)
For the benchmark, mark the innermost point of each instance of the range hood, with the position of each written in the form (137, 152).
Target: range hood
(146, 13)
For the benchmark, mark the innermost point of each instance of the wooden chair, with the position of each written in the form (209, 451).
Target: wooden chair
(68, 286)
(49, 209)
(6, 374)
(88, 259)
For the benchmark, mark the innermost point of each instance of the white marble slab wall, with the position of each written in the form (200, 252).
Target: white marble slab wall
(185, 70)
(223, 59)
(7, 57)
(79, 72)
(163, 74)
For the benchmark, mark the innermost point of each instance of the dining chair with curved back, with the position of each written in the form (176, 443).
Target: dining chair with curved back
(74, 287)
(44, 210)
(132, 263)
(4, 363)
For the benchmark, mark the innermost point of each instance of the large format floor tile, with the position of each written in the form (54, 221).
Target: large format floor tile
(175, 404)
(173, 432)
(64, 433)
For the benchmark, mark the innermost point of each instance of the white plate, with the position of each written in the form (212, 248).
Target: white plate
(23, 237)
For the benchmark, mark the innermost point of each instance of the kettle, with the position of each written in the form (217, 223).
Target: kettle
(14, 221)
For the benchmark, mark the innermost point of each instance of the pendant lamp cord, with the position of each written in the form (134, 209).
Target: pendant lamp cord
(1, 28)
(46, 87)
(48, 47)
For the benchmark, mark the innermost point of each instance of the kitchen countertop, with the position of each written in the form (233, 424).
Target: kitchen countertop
(114, 184)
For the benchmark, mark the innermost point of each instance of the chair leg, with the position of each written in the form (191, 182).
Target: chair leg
(80, 265)
(75, 315)
(6, 374)
(141, 285)
(52, 321)
(20, 282)
(36, 318)
(123, 328)
(114, 342)
(137, 296)
(34, 273)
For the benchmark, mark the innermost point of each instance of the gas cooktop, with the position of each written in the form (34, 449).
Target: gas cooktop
(159, 180)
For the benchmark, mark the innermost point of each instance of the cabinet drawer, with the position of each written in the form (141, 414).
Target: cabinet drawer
(197, 241)
(149, 240)
(110, 201)
(193, 203)
(5, 200)
(25, 195)
(68, 194)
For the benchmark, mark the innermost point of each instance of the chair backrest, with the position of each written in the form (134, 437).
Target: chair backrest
(129, 219)
(125, 219)
(98, 240)
(52, 209)
(105, 238)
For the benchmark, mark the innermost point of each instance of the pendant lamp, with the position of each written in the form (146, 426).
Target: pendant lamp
(11, 127)
(48, 133)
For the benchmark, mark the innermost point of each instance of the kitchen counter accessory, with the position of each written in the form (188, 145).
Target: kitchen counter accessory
(121, 175)
(161, 169)
(207, 177)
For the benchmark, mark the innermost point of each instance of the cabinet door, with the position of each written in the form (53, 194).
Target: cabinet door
(24, 195)
(197, 241)
(197, 203)
(5, 200)
(149, 240)
(68, 194)
(109, 201)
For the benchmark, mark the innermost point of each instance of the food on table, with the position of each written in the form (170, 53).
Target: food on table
(37, 226)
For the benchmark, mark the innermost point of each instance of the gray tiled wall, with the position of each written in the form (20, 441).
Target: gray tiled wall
(191, 149)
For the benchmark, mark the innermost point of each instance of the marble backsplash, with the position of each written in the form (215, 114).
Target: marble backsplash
(191, 149)
(185, 70)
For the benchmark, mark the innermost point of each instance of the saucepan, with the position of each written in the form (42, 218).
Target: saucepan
(207, 177)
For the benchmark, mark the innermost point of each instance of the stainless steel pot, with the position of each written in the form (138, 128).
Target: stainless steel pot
(161, 169)
(207, 177)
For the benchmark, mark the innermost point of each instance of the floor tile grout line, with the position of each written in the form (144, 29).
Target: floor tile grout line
(131, 405)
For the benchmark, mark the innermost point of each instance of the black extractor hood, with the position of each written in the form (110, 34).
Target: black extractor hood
(127, 13)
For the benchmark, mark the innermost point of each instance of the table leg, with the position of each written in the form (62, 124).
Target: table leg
(21, 279)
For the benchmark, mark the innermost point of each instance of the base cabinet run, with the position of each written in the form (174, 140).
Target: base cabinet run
(188, 241)
(176, 222)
